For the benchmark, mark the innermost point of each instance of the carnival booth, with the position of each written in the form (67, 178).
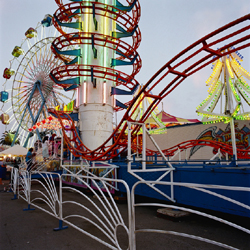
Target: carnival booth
(9, 156)
(13, 153)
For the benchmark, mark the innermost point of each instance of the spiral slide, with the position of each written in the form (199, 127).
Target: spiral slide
(197, 56)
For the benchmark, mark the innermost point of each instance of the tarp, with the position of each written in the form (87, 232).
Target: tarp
(16, 150)
(167, 118)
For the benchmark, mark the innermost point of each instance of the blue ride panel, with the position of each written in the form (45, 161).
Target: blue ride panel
(199, 174)
(214, 176)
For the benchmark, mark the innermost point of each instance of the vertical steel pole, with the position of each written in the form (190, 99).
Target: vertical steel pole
(129, 146)
(143, 147)
(71, 155)
(62, 143)
(233, 138)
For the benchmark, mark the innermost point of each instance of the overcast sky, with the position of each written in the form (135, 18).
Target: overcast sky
(167, 27)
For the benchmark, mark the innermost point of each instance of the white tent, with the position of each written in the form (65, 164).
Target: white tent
(16, 150)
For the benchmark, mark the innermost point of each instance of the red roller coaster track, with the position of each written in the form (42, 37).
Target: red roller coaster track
(223, 147)
(238, 39)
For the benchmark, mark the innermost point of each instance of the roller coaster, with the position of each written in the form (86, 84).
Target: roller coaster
(237, 40)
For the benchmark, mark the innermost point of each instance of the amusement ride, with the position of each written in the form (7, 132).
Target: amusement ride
(229, 91)
(32, 91)
(71, 80)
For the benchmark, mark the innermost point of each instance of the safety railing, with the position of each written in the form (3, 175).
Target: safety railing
(14, 181)
(198, 187)
(94, 205)
(160, 162)
(86, 168)
(101, 211)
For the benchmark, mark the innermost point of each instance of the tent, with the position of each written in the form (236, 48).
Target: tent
(170, 120)
(16, 150)
(167, 118)
(157, 119)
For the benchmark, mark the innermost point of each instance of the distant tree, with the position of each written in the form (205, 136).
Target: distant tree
(8, 137)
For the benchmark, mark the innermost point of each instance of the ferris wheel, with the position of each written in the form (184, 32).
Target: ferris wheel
(32, 92)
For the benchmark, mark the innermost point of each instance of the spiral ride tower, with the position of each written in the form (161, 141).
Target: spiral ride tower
(91, 49)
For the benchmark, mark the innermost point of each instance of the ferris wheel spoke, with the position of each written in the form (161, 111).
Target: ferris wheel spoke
(22, 74)
(64, 96)
(20, 90)
(24, 92)
(18, 104)
(44, 54)
(52, 62)
(26, 58)
(19, 110)
(8, 111)
(29, 44)
(27, 64)
(14, 126)
(19, 62)
(28, 77)
(40, 55)
(21, 81)
(11, 119)
(22, 65)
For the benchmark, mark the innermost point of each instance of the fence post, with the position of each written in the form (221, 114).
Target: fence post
(60, 207)
(28, 187)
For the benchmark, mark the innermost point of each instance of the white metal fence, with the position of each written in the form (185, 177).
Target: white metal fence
(96, 205)
(101, 211)
(199, 187)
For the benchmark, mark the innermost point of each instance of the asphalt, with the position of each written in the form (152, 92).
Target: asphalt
(34, 229)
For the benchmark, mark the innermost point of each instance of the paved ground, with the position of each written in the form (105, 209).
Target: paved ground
(34, 230)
